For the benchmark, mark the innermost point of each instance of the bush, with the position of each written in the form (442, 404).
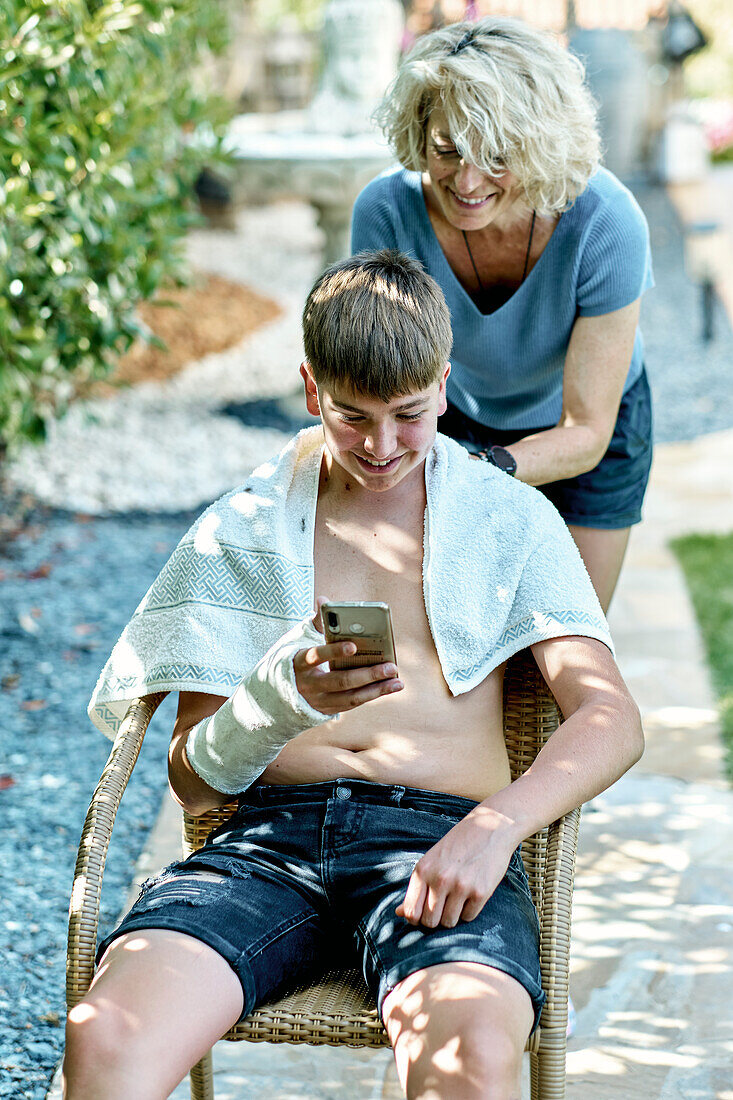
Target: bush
(95, 183)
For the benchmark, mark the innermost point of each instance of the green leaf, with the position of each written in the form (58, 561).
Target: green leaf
(94, 104)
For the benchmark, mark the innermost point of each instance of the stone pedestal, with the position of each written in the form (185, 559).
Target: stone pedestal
(327, 153)
(277, 158)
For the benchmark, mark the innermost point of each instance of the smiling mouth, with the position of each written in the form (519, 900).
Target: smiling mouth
(378, 466)
(471, 204)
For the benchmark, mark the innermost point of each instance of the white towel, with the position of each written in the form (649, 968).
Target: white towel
(500, 572)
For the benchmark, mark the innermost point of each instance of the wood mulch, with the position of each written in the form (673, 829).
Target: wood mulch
(210, 315)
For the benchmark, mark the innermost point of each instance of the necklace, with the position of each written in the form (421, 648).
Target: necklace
(482, 288)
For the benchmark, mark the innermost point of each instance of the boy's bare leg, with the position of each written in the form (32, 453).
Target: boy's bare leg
(158, 1003)
(459, 1031)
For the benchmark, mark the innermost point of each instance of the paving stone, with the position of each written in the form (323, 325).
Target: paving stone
(652, 948)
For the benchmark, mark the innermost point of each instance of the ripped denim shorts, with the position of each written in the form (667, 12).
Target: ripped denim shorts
(307, 875)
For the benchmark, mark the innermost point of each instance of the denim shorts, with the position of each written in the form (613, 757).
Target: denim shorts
(610, 495)
(308, 875)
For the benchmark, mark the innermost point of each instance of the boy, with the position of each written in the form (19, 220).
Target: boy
(376, 810)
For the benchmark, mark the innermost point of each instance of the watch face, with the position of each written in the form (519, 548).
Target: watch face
(501, 458)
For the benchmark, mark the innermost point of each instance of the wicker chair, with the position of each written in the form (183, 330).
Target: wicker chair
(338, 1009)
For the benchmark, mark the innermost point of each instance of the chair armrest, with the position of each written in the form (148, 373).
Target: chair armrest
(95, 838)
(555, 920)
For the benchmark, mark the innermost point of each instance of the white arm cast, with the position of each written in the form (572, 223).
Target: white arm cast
(233, 747)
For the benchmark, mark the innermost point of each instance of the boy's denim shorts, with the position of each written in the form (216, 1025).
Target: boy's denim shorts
(611, 494)
(310, 875)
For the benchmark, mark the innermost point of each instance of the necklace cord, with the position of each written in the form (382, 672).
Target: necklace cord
(529, 246)
(482, 288)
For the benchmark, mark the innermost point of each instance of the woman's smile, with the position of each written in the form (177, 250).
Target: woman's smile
(473, 203)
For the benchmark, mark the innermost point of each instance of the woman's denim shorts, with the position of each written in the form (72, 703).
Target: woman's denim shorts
(610, 495)
(308, 876)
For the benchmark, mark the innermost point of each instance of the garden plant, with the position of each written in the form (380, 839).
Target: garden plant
(98, 103)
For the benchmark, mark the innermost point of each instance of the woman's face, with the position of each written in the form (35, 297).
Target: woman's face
(468, 198)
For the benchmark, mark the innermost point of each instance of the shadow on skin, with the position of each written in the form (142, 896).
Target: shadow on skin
(458, 1030)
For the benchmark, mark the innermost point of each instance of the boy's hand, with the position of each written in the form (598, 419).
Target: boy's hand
(331, 692)
(457, 876)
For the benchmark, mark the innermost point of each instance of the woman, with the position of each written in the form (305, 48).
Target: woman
(543, 257)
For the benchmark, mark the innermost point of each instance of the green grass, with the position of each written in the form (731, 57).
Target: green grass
(707, 561)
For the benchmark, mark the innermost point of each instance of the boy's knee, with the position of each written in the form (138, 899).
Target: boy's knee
(457, 1046)
(496, 1059)
(98, 1039)
(465, 1060)
(475, 1063)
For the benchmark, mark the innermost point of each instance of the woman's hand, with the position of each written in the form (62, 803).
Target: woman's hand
(332, 692)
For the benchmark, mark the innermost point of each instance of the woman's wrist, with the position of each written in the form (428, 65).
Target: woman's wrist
(557, 454)
(501, 458)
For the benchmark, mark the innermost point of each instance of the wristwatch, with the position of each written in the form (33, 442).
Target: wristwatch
(501, 458)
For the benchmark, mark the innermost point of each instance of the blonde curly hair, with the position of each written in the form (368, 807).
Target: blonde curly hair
(514, 99)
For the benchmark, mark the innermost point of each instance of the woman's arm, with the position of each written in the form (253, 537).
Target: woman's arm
(372, 219)
(596, 365)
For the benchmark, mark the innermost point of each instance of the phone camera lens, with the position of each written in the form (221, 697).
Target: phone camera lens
(333, 621)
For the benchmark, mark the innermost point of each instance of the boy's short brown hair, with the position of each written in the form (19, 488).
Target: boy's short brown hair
(378, 324)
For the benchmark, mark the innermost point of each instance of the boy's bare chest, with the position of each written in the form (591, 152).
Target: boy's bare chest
(409, 737)
(381, 558)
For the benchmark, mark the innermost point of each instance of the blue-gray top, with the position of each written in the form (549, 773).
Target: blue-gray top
(507, 366)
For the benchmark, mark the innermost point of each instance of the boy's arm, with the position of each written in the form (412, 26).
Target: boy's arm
(220, 746)
(599, 739)
(187, 788)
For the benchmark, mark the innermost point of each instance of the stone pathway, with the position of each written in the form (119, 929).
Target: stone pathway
(652, 947)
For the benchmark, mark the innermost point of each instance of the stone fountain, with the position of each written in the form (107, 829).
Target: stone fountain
(326, 153)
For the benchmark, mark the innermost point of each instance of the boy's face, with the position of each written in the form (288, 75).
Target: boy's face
(377, 443)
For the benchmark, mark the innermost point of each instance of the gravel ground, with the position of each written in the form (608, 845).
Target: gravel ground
(70, 582)
(68, 588)
(691, 382)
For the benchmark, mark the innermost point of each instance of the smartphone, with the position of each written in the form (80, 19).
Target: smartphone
(367, 625)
